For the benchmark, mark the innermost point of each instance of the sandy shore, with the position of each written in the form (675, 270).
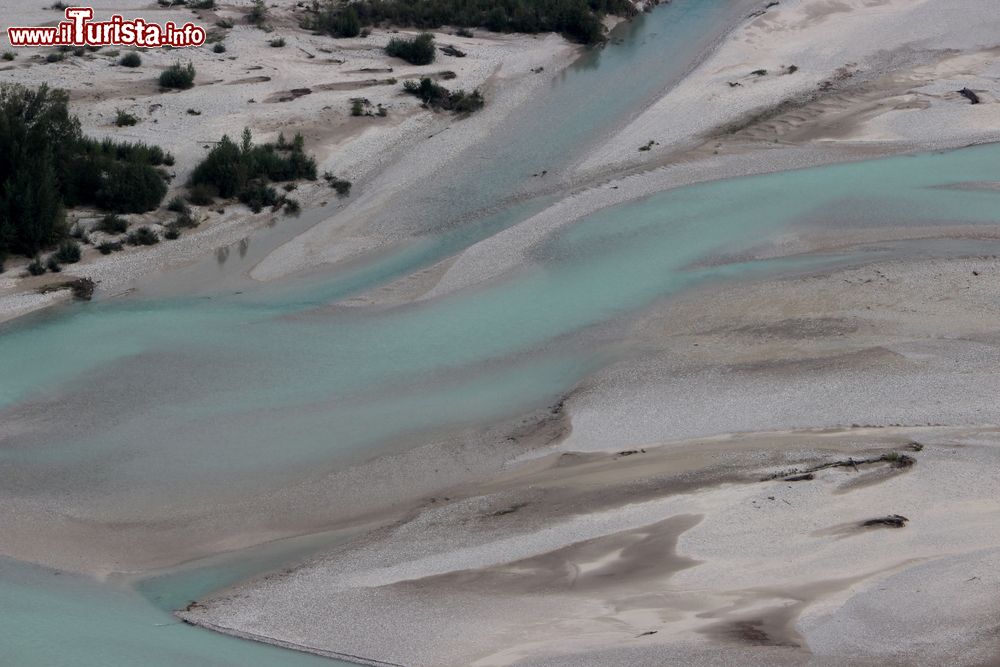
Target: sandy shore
(646, 534)
(849, 72)
(306, 86)
(886, 82)
(676, 552)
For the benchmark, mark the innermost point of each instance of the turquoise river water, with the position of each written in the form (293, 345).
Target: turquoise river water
(154, 403)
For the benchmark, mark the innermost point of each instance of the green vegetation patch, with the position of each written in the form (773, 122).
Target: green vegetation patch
(439, 97)
(579, 20)
(47, 165)
(244, 171)
(416, 51)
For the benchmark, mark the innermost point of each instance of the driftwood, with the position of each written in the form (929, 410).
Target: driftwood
(82, 288)
(450, 50)
(891, 521)
(969, 95)
(895, 459)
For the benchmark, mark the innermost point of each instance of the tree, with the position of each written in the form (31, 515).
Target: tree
(347, 23)
(31, 204)
(46, 164)
(417, 51)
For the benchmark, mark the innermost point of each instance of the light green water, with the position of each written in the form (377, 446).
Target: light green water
(202, 390)
(256, 390)
(139, 405)
(58, 620)
(156, 402)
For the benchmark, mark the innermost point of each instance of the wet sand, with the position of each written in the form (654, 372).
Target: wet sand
(677, 552)
(621, 543)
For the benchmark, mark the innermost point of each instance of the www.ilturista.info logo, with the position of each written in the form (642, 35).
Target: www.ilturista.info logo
(79, 30)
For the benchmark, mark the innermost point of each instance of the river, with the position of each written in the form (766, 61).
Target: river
(156, 405)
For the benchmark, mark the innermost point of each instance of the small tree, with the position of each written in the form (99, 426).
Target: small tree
(178, 76)
(347, 23)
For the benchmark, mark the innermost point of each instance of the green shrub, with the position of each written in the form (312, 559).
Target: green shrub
(202, 194)
(347, 23)
(342, 186)
(171, 233)
(416, 51)
(334, 19)
(256, 195)
(185, 221)
(258, 13)
(202, 4)
(178, 205)
(178, 76)
(35, 267)
(130, 59)
(108, 247)
(357, 107)
(292, 206)
(225, 24)
(242, 170)
(219, 47)
(142, 236)
(439, 97)
(277, 42)
(68, 252)
(9, 55)
(124, 118)
(579, 20)
(130, 188)
(55, 57)
(464, 32)
(52, 264)
(112, 224)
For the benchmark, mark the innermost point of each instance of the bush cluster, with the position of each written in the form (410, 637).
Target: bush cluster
(243, 171)
(142, 236)
(112, 224)
(177, 76)
(46, 165)
(124, 118)
(68, 252)
(580, 20)
(332, 18)
(130, 59)
(416, 51)
(439, 97)
(258, 13)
